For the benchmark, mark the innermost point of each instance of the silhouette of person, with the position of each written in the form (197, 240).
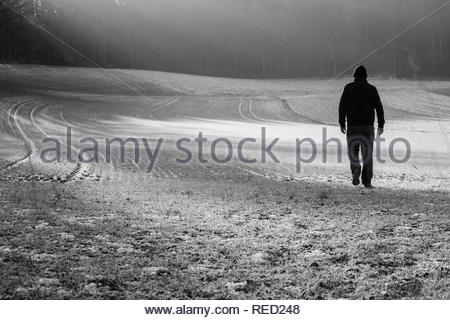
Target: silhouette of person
(357, 106)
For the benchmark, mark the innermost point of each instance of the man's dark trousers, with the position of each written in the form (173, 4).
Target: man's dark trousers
(360, 138)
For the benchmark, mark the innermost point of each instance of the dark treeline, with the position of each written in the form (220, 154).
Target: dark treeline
(239, 38)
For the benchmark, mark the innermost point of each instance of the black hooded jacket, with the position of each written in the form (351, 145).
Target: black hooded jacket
(358, 104)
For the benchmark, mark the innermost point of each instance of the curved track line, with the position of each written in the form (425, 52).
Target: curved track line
(28, 142)
(79, 168)
(240, 110)
(33, 120)
(3, 132)
(254, 114)
(64, 119)
(288, 108)
(101, 155)
(69, 124)
(11, 113)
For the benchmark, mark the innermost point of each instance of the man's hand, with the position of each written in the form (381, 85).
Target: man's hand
(380, 131)
(343, 130)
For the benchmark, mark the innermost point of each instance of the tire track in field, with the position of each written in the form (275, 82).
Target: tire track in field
(206, 169)
(250, 110)
(4, 133)
(2, 129)
(17, 129)
(87, 166)
(81, 168)
(10, 116)
(113, 160)
(105, 168)
(240, 110)
(69, 124)
(301, 117)
(64, 119)
(76, 172)
(159, 105)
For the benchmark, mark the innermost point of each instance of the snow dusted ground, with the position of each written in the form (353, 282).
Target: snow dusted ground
(210, 230)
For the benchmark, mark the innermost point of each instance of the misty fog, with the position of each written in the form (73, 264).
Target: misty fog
(239, 38)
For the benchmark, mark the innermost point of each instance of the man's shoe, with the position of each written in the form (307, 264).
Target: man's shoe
(368, 185)
(355, 180)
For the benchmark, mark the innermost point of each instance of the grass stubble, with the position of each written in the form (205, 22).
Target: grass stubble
(224, 239)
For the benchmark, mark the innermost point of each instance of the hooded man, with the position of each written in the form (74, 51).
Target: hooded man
(357, 107)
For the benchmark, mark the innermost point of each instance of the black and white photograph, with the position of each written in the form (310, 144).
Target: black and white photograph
(224, 150)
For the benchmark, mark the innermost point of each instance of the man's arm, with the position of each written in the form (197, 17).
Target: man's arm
(343, 109)
(380, 111)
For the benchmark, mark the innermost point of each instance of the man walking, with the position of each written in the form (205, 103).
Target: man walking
(358, 104)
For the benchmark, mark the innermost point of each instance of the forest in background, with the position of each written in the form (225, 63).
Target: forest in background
(235, 38)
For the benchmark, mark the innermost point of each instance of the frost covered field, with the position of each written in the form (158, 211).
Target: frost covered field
(203, 229)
